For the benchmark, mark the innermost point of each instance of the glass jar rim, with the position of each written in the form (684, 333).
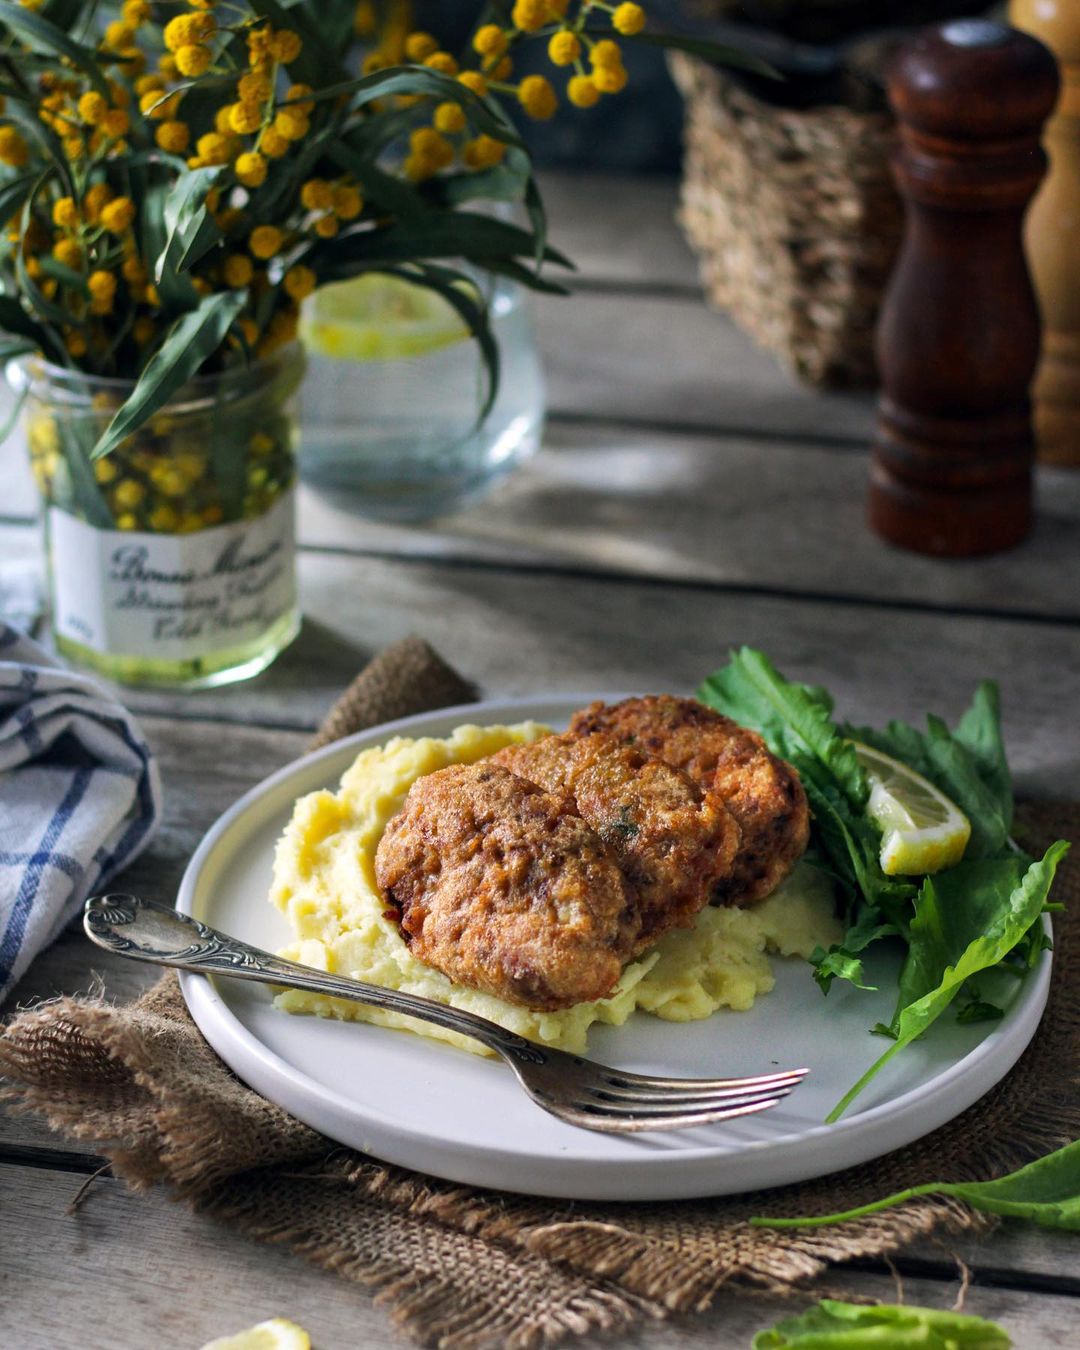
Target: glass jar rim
(78, 388)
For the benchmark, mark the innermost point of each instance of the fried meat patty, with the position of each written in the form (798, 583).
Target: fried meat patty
(761, 791)
(674, 842)
(503, 887)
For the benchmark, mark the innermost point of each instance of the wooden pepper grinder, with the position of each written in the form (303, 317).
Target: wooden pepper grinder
(958, 337)
(1053, 238)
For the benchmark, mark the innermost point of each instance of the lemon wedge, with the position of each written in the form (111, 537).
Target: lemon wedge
(276, 1334)
(923, 831)
(378, 318)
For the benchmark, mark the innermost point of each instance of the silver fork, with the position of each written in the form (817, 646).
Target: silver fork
(576, 1090)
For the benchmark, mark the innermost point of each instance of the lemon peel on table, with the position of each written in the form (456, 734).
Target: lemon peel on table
(923, 831)
(276, 1334)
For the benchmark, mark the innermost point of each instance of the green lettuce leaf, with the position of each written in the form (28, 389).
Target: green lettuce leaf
(796, 722)
(951, 911)
(978, 1009)
(842, 960)
(795, 719)
(831, 1325)
(937, 954)
(979, 731)
(1046, 1192)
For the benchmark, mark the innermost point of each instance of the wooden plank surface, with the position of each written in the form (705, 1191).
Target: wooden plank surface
(143, 1272)
(520, 633)
(719, 509)
(652, 360)
(636, 245)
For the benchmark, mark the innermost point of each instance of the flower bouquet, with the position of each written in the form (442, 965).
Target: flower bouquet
(176, 179)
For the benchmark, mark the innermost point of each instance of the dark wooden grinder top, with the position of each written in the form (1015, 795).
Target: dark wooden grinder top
(958, 337)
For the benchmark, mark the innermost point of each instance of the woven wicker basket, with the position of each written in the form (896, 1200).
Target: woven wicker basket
(795, 218)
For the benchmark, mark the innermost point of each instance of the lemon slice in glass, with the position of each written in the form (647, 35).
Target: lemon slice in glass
(378, 318)
(277, 1334)
(923, 831)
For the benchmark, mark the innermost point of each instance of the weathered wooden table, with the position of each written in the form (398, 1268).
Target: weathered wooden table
(688, 498)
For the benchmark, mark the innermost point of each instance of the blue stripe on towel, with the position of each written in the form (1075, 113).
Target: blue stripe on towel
(16, 927)
(63, 862)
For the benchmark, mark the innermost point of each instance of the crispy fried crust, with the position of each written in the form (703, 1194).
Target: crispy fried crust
(674, 842)
(761, 791)
(503, 887)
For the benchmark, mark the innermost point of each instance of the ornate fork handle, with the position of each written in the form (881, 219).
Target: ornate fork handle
(147, 931)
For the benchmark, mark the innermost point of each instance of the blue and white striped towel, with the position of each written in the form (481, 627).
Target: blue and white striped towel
(79, 797)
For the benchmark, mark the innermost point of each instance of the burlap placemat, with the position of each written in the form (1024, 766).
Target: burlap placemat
(460, 1267)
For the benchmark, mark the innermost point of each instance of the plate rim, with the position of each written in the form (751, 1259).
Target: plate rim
(250, 1058)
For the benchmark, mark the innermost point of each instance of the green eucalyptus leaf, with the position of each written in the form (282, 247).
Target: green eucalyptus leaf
(525, 276)
(317, 63)
(64, 13)
(534, 206)
(16, 321)
(381, 190)
(40, 35)
(336, 18)
(76, 441)
(67, 276)
(186, 346)
(31, 291)
(505, 182)
(178, 295)
(190, 228)
(717, 53)
(10, 348)
(270, 199)
(14, 192)
(419, 80)
(49, 144)
(439, 234)
(460, 292)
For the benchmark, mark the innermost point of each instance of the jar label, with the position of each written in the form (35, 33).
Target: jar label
(176, 597)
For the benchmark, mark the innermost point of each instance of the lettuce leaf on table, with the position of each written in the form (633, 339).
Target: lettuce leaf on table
(831, 1325)
(1046, 1192)
(977, 915)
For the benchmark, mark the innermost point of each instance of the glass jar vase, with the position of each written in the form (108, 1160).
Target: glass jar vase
(392, 402)
(171, 560)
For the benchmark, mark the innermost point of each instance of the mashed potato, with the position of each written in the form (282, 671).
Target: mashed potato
(324, 882)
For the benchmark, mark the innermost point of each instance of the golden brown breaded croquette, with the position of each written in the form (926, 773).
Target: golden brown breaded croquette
(674, 842)
(503, 887)
(762, 791)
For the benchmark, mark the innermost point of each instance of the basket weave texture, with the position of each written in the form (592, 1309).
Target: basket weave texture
(795, 219)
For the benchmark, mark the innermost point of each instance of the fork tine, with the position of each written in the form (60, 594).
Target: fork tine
(634, 1124)
(690, 1089)
(660, 1106)
(617, 1078)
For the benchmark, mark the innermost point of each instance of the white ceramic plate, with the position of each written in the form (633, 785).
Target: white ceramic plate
(430, 1107)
